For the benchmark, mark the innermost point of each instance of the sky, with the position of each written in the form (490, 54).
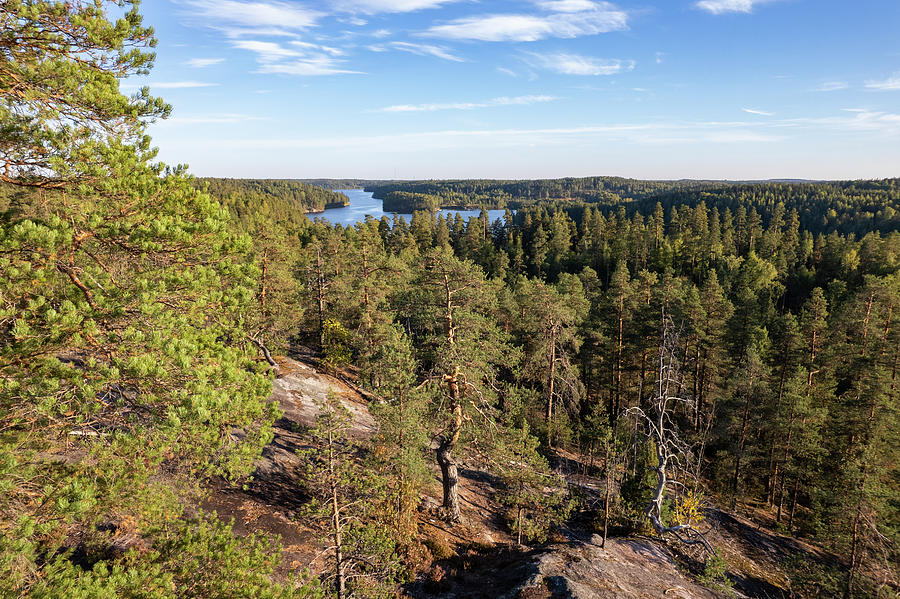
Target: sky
(420, 89)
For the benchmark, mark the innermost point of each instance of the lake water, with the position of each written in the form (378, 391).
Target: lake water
(362, 204)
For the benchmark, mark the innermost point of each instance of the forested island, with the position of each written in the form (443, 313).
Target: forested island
(204, 393)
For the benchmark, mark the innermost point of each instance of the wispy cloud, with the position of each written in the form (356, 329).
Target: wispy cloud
(266, 51)
(247, 23)
(302, 58)
(859, 120)
(601, 17)
(199, 63)
(268, 15)
(506, 71)
(419, 49)
(567, 5)
(718, 7)
(657, 133)
(832, 86)
(494, 102)
(663, 133)
(388, 6)
(890, 84)
(758, 112)
(575, 64)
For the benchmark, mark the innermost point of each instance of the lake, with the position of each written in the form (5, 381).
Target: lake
(362, 204)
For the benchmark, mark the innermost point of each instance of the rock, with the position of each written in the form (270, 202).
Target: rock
(625, 568)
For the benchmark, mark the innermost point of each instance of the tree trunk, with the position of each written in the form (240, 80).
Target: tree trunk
(740, 454)
(619, 350)
(340, 582)
(606, 502)
(772, 479)
(449, 473)
(550, 384)
(320, 288)
(519, 526)
(794, 495)
(449, 480)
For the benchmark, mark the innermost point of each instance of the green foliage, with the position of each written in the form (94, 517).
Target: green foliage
(638, 485)
(814, 579)
(439, 548)
(123, 365)
(277, 201)
(401, 440)
(197, 557)
(63, 119)
(715, 574)
(336, 349)
(346, 505)
(537, 498)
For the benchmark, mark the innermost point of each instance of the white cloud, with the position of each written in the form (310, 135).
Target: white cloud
(267, 51)
(387, 6)
(257, 14)
(659, 57)
(758, 112)
(718, 7)
(831, 86)
(239, 32)
(602, 18)
(199, 63)
(180, 84)
(575, 64)
(502, 101)
(567, 5)
(380, 33)
(419, 49)
(303, 58)
(890, 84)
(506, 71)
(327, 49)
(313, 65)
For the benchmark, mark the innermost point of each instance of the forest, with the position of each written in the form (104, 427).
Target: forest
(276, 199)
(694, 346)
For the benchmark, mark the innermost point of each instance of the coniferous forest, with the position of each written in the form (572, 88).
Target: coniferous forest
(697, 348)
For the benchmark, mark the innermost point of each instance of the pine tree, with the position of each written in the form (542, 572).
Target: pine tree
(537, 498)
(402, 433)
(463, 349)
(345, 499)
(125, 367)
(548, 328)
(64, 118)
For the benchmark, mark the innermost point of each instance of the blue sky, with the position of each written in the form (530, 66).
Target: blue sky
(657, 89)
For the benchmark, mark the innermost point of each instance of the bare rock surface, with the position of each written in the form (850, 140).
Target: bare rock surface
(299, 390)
(624, 568)
(300, 387)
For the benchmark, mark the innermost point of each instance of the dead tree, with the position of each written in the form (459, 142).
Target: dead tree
(662, 432)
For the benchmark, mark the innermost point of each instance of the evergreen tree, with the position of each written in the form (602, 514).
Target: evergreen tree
(537, 498)
(345, 500)
(463, 349)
